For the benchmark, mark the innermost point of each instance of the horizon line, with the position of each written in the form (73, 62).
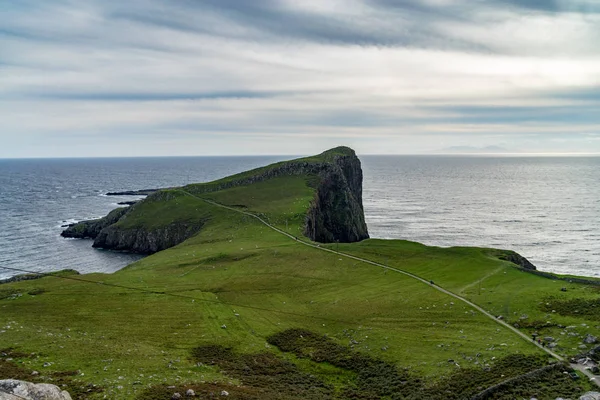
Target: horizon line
(458, 154)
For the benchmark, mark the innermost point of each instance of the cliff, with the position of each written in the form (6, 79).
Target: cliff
(90, 229)
(336, 213)
(168, 217)
(517, 259)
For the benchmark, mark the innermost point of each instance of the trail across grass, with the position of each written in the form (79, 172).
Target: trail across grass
(318, 247)
(458, 297)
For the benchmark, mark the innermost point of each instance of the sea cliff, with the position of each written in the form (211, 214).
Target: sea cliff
(156, 223)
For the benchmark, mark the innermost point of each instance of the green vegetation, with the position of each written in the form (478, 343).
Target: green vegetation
(242, 308)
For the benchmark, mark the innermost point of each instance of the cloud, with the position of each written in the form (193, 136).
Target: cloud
(256, 76)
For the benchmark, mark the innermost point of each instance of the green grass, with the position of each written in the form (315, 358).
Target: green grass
(238, 283)
(532, 302)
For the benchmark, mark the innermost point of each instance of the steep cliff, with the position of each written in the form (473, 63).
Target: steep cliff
(336, 213)
(168, 217)
(145, 240)
(90, 229)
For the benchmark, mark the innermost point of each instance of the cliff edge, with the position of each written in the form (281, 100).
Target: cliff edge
(170, 216)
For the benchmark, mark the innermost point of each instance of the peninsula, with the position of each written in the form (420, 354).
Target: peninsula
(265, 285)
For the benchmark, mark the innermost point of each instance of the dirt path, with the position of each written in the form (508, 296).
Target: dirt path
(424, 281)
(470, 285)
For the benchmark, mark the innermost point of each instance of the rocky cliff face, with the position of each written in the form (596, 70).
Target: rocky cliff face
(517, 259)
(336, 213)
(143, 240)
(91, 229)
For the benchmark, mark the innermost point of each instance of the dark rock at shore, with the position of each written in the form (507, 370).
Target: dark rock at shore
(143, 240)
(126, 203)
(32, 276)
(91, 229)
(142, 192)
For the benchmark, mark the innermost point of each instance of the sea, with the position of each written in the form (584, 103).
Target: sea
(545, 208)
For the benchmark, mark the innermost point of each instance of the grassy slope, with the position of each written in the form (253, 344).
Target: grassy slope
(502, 289)
(238, 273)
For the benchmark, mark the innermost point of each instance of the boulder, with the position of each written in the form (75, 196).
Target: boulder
(590, 396)
(589, 339)
(11, 389)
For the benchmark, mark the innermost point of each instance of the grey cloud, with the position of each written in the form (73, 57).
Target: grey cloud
(115, 96)
(271, 20)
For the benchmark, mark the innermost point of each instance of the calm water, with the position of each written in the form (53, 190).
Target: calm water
(547, 209)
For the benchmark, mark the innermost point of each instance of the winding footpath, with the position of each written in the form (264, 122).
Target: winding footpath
(424, 281)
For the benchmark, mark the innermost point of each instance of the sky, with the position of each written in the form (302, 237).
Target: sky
(84, 78)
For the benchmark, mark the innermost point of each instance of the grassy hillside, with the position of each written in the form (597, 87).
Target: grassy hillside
(242, 308)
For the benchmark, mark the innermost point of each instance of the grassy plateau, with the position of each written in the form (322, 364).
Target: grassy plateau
(243, 309)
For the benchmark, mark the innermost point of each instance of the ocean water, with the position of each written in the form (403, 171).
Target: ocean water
(547, 209)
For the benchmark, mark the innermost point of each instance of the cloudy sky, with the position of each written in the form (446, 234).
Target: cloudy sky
(207, 77)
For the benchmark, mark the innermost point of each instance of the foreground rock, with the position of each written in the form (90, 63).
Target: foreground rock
(11, 389)
(590, 396)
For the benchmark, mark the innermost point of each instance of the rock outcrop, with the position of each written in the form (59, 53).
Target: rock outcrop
(336, 213)
(11, 389)
(142, 192)
(590, 396)
(91, 229)
(144, 240)
(517, 259)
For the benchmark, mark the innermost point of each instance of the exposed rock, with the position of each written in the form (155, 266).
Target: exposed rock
(517, 259)
(590, 396)
(336, 213)
(224, 393)
(91, 229)
(127, 203)
(190, 393)
(589, 339)
(31, 391)
(144, 240)
(142, 192)
(176, 396)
